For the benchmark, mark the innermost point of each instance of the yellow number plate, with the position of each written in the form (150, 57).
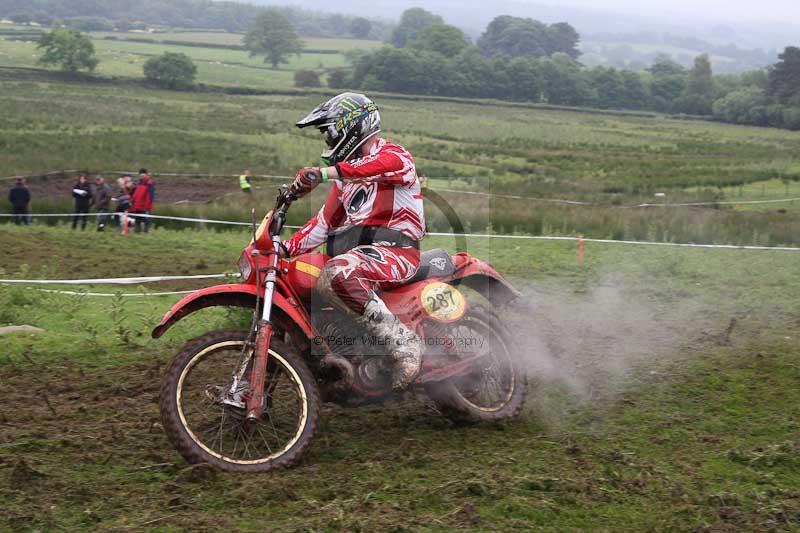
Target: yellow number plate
(443, 302)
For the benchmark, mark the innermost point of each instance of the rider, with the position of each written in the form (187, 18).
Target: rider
(372, 220)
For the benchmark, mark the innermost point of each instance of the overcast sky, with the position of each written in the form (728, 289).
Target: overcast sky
(732, 10)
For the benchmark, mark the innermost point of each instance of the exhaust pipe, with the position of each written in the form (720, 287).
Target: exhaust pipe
(345, 369)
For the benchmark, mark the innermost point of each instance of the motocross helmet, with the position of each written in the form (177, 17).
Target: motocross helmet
(346, 121)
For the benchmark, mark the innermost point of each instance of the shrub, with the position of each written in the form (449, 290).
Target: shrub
(339, 78)
(171, 71)
(89, 23)
(69, 49)
(791, 118)
(306, 78)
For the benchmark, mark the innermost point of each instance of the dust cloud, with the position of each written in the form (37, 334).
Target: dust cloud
(588, 345)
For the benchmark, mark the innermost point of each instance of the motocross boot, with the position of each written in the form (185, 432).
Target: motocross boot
(405, 345)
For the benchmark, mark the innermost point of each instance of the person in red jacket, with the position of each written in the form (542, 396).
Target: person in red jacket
(372, 220)
(142, 198)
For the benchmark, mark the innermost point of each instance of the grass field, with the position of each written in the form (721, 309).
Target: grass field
(216, 66)
(663, 392)
(663, 401)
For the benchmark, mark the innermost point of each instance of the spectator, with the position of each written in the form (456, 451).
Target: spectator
(82, 192)
(20, 198)
(123, 199)
(142, 200)
(102, 199)
(244, 182)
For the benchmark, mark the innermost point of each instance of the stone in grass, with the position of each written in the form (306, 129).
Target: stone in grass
(20, 329)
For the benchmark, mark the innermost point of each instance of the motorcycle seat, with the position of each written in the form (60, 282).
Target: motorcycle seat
(435, 263)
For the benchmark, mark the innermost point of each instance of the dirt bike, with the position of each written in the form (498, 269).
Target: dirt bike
(249, 401)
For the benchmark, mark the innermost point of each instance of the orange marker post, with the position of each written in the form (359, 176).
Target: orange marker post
(580, 248)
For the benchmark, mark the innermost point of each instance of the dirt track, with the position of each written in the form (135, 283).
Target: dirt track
(169, 189)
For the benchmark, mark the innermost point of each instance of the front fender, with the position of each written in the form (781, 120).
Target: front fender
(230, 295)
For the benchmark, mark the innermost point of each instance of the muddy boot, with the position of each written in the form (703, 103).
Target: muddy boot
(405, 345)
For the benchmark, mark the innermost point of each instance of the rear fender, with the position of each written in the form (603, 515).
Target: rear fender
(405, 302)
(484, 279)
(291, 314)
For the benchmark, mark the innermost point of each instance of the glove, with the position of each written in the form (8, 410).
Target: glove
(305, 181)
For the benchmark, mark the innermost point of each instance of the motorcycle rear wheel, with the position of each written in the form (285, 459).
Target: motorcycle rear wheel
(205, 430)
(495, 391)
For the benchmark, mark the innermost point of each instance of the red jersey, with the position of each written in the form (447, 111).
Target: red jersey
(380, 189)
(143, 195)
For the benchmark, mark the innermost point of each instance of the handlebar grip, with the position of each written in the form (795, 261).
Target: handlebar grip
(285, 199)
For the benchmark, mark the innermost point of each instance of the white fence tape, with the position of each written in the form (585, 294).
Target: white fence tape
(611, 241)
(610, 206)
(135, 215)
(700, 204)
(153, 279)
(51, 173)
(195, 175)
(513, 197)
(112, 294)
(162, 217)
(188, 219)
(485, 235)
(136, 173)
(112, 281)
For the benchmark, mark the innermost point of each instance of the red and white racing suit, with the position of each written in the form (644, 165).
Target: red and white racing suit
(380, 189)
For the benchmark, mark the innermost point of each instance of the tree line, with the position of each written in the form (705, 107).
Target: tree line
(522, 59)
(527, 60)
(123, 15)
(618, 50)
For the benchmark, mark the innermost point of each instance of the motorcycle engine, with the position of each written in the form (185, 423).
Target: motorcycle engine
(370, 360)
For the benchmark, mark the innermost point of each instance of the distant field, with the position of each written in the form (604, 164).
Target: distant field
(341, 45)
(211, 37)
(217, 55)
(215, 66)
(595, 51)
(21, 27)
(607, 159)
(613, 160)
(767, 190)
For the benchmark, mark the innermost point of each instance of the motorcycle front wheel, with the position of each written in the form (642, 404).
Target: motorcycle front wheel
(205, 421)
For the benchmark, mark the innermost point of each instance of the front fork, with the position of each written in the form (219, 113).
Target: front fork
(258, 372)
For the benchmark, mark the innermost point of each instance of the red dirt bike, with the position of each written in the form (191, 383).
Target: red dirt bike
(249, 401)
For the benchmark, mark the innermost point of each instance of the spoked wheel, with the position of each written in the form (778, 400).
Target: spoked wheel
(205, 420)
(495, 389)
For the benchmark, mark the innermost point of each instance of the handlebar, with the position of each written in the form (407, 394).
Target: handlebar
(285, 198)
(282, 204)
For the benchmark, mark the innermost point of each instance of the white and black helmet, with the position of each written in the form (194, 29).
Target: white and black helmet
(347, 121)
